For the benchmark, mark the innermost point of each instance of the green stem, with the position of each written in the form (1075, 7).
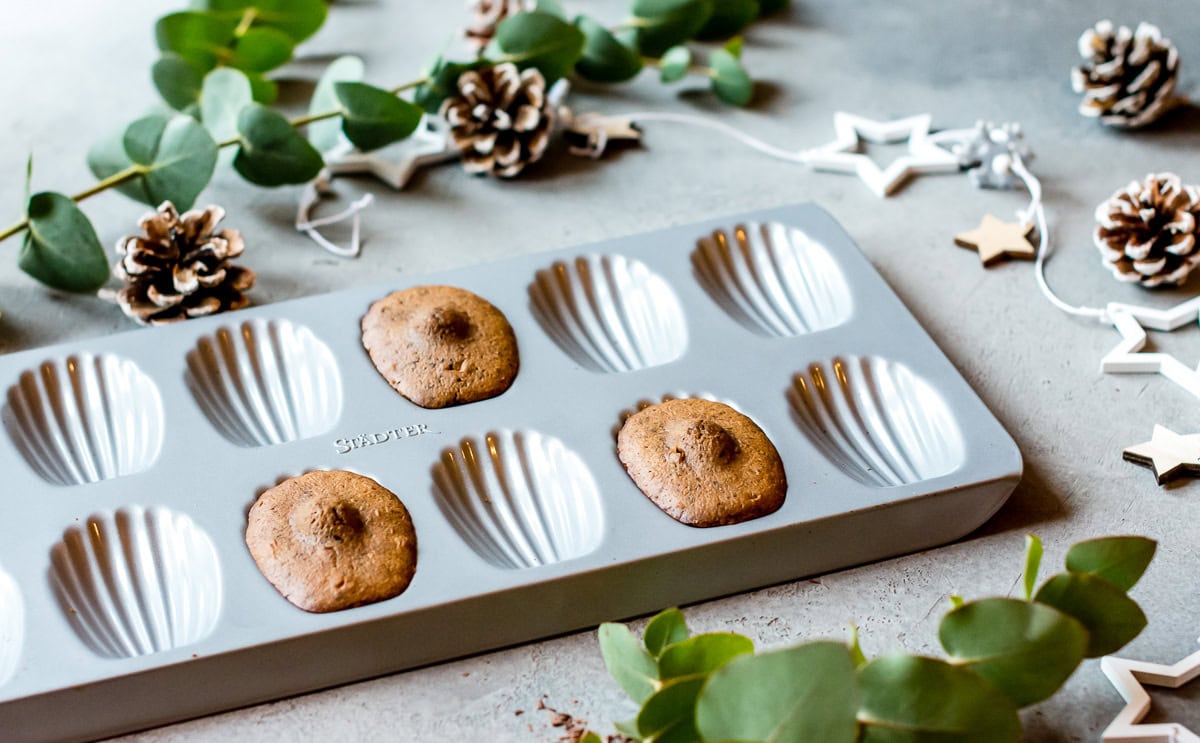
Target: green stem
(248, 19)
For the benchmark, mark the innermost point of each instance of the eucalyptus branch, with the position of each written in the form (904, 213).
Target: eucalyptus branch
(695, 69)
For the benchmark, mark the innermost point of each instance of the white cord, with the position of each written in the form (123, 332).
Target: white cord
(719, 126)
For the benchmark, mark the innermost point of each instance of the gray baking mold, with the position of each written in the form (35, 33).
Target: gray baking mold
(266, 382)
(773, 278)
(527, 523)
(85, 418)
(610, 313)
(520, 499)
(138, 581)
(877, 420)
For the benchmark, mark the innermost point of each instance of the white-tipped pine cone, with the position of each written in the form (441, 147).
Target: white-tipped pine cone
(180, 267)
(486, 15)
(1147, 231)
(1128, 77)
(500, 121)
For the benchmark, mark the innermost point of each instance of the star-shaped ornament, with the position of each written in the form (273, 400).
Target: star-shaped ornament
(1130, 676)
(1127, 357)
(995, 239)
(842, 155)
(1170, 454)
(590, 134)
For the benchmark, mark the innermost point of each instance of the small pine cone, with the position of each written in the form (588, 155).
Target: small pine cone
(486, 15)
(180, 268)
(500, 121)
(1147, 231)
(1128, 78)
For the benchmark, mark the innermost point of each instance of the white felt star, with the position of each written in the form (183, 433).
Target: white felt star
(1131, 322)
(1167, 453)
(842, 154)
(1128, 676)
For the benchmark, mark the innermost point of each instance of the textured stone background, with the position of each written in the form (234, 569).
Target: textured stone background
(74, 69)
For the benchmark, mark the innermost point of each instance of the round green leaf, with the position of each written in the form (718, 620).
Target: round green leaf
(628, 662)
(908, 699)
(553, 7)
(702, 654)
(542, 40)
(729, 79)
(61, 248)
(797, 695)
(326, 134)
(299, 19)
(225, 93)
(178, 157)
(261, 50)
(272, 152)
(767, 7)
(265, 91)
(674, 64)
(373, 117)
(669, 716)
(666, 628)
(1119, 560)
(661, 24)
(728, 18)
(1026, 650)
(194, 36)
(1112, 618)
(177, 80)
(605, 59)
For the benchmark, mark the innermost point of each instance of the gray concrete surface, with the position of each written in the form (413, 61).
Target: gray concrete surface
(73, 69)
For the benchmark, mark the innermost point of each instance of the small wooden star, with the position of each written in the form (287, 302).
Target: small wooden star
(995, 239)
(1170, 454)
(590, 134)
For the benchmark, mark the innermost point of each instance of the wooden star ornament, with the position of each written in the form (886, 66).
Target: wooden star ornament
(1169, 454)
(995, 239)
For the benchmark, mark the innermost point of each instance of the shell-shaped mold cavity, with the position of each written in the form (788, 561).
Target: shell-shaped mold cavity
(85, 418)
(137, 581)
(12, 626)
(266, 382)
(878, 421)
(773, 279)
(610, 313)
(519, 498)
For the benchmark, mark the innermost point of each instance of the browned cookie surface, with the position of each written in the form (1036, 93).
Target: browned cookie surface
(702, 462)
(441, 345)
(332, 540)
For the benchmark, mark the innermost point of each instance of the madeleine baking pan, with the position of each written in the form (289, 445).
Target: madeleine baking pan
(128, 597)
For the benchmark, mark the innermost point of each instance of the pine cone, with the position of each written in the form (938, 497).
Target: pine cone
(180, 268)
(500, 121)
(486, 15)
(1147, 231)
(1129, 77)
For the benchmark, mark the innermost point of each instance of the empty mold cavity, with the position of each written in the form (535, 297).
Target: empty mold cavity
(878, 421)
(12, 626)
(85, 419)
(137, 581)
(266, 382)
(519, 499)
(610, 313)
(773, 279)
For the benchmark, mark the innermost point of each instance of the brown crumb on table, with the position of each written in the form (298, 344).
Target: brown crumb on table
(574, 728)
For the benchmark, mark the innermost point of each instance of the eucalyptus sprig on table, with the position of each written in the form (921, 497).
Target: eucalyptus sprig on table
(1002, 654)
(213, 72)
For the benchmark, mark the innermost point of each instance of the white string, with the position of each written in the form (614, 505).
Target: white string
(723, 128)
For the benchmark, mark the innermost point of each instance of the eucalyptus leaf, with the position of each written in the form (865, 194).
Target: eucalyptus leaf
(373, 117)
(666, 628)
(261, 50)
(542, 40)
(728, 18)
(674, 64)
(669, 715)
(590, 737)
(299, 19)
(662, 24)
(199, 38)
(265, 91)
(326, 134)
(734, 46)
(702, 654)
(1112, 618)
(605, 59)
(797, 695)
(225, 93)
(176, 157)
(178, 81)
(61, 248)
(909, 699)
(1033, 561)
(272, 152)
(442, 83)
(1026, 650)
(768, 7)
(1119, 560)
(628, 662)
(729, 79)
(553, 7)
